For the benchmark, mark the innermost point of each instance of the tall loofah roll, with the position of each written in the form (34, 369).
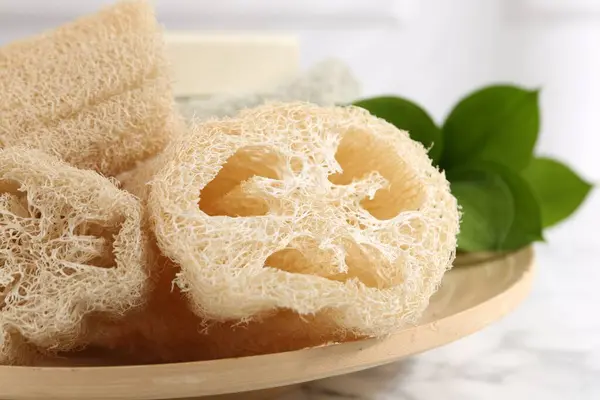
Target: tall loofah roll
(298, 225)
(95, 92)
(328, 83)
(72, 254)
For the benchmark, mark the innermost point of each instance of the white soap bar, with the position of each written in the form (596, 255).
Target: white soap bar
(327, 83)
(206, 64)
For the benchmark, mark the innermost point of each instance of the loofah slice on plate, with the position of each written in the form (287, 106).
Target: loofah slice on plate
(328, 212)
(72, 253)
(95, 92)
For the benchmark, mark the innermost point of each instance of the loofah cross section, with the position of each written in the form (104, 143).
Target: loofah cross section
(317, 210)
(95, 92)
(328, 83)
(71, 251)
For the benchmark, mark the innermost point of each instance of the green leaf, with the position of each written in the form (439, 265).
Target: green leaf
(408, 116)
(487, 208)
(498, 124)
(558, 189)
(526, 226)
(499, 209)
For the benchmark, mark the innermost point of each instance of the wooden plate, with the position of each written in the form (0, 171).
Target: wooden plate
(472, 296)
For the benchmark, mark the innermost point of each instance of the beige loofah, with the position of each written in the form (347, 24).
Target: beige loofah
(95, 92)
(166, 330)
(327, 212)
(71, 251)
(136, 180)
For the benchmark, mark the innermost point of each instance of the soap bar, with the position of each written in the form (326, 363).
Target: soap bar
(327, 83)
(206, 64)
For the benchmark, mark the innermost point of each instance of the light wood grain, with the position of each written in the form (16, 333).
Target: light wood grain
(470, 298)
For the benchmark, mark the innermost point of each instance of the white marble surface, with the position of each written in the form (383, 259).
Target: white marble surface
(548, 348)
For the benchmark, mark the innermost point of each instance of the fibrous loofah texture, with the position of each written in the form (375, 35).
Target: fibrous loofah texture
(324, 211)
(71, 247)
(95, 92)
(328, 83)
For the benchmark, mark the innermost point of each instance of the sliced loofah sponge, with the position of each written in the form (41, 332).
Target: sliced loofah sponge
(324, 211)
(95, 92)
(71, 251)
(166, 330)
(328, 83)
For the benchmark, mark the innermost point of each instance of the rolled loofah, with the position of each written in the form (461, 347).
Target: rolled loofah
(328, 83)
(323, 214)
(72, 254)
(95, 92)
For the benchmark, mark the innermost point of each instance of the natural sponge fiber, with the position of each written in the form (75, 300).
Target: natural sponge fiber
(95, 92)
(323, 211)
(167, 330)
(72, 252)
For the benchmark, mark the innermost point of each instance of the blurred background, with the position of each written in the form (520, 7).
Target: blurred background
(434, 52)
(431, 51)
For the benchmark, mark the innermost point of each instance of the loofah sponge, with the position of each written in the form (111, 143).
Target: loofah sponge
(72, 253)
(327, 212)
(328, 83)
(95, 92)
(166, 330)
